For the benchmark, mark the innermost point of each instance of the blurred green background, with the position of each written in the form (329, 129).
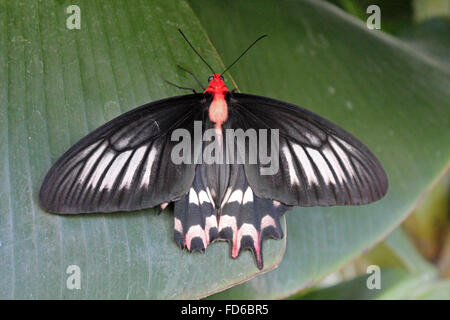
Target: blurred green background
(422, 23)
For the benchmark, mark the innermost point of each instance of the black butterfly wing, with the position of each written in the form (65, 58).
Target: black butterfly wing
(126, 163)
(319, 163)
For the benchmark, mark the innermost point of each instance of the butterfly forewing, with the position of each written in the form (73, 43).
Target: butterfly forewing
(319, 163)
(125, 164)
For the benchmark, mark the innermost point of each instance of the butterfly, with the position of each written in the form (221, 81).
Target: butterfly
(127, 164)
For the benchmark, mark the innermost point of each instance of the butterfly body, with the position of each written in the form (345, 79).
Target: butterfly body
(218, 110)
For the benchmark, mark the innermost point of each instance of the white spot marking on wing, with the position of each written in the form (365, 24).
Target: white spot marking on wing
(208, 192)
(101, 166)
(343, 156)
(345, 144)
(210, 222)
(248, 196)
(148, 168)
(135, 161)
(178, 226)
(164, 205)
(312, 138)
(91, 162)
(193, 198)
(114, 170)
(322, 165)
(335, 164)
(203, 197)
(226, 197)
(194, 232)
(292, 172)
(246, 229)
(236, 196)
(306, 164)
(81, 154)
(122, 142)
(88, 149)
(227, 221)
(268, 221)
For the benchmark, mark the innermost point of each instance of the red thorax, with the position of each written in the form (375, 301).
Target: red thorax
(218, 111)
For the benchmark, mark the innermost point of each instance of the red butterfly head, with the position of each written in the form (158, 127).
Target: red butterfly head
(216, 85)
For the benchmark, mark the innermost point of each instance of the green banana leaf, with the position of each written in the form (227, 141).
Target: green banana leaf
(412, 278)
(430, 37)
(396, 285)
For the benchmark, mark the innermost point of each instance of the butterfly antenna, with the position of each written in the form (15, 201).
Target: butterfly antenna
(193, 76)
(182, 34)
(243, 53)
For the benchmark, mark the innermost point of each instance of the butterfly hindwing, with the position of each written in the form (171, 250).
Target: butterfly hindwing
(195, 216)
(126, 163)
(319, 163)
(246, 219)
